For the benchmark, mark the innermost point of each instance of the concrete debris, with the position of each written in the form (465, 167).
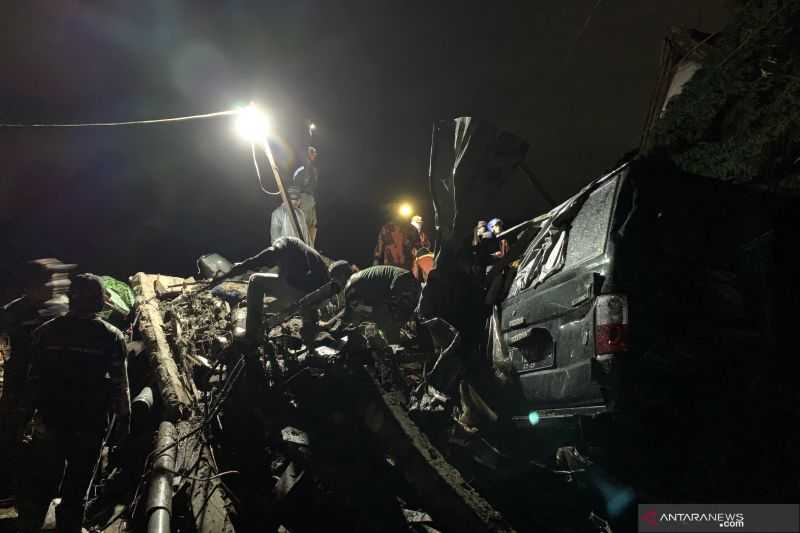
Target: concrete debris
(416, 517)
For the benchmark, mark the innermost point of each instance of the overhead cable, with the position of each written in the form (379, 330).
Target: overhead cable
(258, 173)
(124, 123)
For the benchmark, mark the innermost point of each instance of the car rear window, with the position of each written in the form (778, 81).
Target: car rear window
(589, 228)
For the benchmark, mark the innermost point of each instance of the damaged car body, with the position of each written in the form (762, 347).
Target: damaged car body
(640, 315)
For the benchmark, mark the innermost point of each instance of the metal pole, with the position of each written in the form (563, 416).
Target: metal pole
(432, 188)
(282, 189)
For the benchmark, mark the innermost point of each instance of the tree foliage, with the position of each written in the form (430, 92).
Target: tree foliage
(739, 117)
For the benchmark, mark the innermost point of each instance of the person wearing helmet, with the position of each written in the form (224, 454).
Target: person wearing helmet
(499, 247)
(78, 376)
(281, 224)
(423, 259)
(421, 242)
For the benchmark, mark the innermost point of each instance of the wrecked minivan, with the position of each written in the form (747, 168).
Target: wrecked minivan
(643, 325)
(647, 276)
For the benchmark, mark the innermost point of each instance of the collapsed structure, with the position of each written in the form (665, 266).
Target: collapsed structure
(272, 432)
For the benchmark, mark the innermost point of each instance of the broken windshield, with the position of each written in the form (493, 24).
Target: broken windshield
(574, 232)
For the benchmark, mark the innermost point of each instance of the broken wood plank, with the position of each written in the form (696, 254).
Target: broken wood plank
(176, 400)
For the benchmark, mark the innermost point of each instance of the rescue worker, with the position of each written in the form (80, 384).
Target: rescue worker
(305, 180)
(423, 259)
(499, 247)
(78, 376)
(395, 246)
(42, 280)
(281, 224)
(386, 295)
(421, 244)
(481, 233)
(301, 270)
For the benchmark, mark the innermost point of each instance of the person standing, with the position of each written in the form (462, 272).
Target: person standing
(421, 251)
(394, 247)
(481, 233)
(499, 246)
(305, 180)
(78, 375)
(281, 224)
(44, 282)
(421, 241)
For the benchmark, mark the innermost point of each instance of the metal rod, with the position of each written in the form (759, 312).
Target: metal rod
(523, 225)
(282, 189)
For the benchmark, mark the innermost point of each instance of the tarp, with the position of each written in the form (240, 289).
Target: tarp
(119, 297)
(471, 162)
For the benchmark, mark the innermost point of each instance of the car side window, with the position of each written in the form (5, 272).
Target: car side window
(543, 257)
(589, 229)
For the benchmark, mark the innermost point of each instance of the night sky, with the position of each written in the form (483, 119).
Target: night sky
(573, 77)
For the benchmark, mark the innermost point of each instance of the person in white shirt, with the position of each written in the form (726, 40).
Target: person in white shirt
(281, 220)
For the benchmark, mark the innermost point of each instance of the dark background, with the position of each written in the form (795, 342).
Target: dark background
(572, 77)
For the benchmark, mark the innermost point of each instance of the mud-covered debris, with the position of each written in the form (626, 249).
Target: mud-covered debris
(416, 517)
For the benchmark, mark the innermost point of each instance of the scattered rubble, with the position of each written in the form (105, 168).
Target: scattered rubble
(229, 433)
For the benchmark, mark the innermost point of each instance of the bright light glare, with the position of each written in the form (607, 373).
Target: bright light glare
(312, 126)
(405, 210)
(252, 124)
(533, 418)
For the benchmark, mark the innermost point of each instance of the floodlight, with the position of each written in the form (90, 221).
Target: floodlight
(252, 124)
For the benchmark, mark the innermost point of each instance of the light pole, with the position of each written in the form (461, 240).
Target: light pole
(253, 125)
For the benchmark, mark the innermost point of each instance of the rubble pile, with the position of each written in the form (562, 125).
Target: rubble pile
(273, 435)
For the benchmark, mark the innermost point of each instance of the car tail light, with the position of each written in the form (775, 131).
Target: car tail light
(611, 331)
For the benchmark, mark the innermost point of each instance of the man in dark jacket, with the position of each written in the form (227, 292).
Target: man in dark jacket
(78, 376)
(386, 295)
(301, 270)
(44, 282)
(302, 267)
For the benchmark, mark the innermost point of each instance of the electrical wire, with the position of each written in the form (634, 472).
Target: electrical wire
(205, 479)
(233, 376)
(258, 173)
(124, 123)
